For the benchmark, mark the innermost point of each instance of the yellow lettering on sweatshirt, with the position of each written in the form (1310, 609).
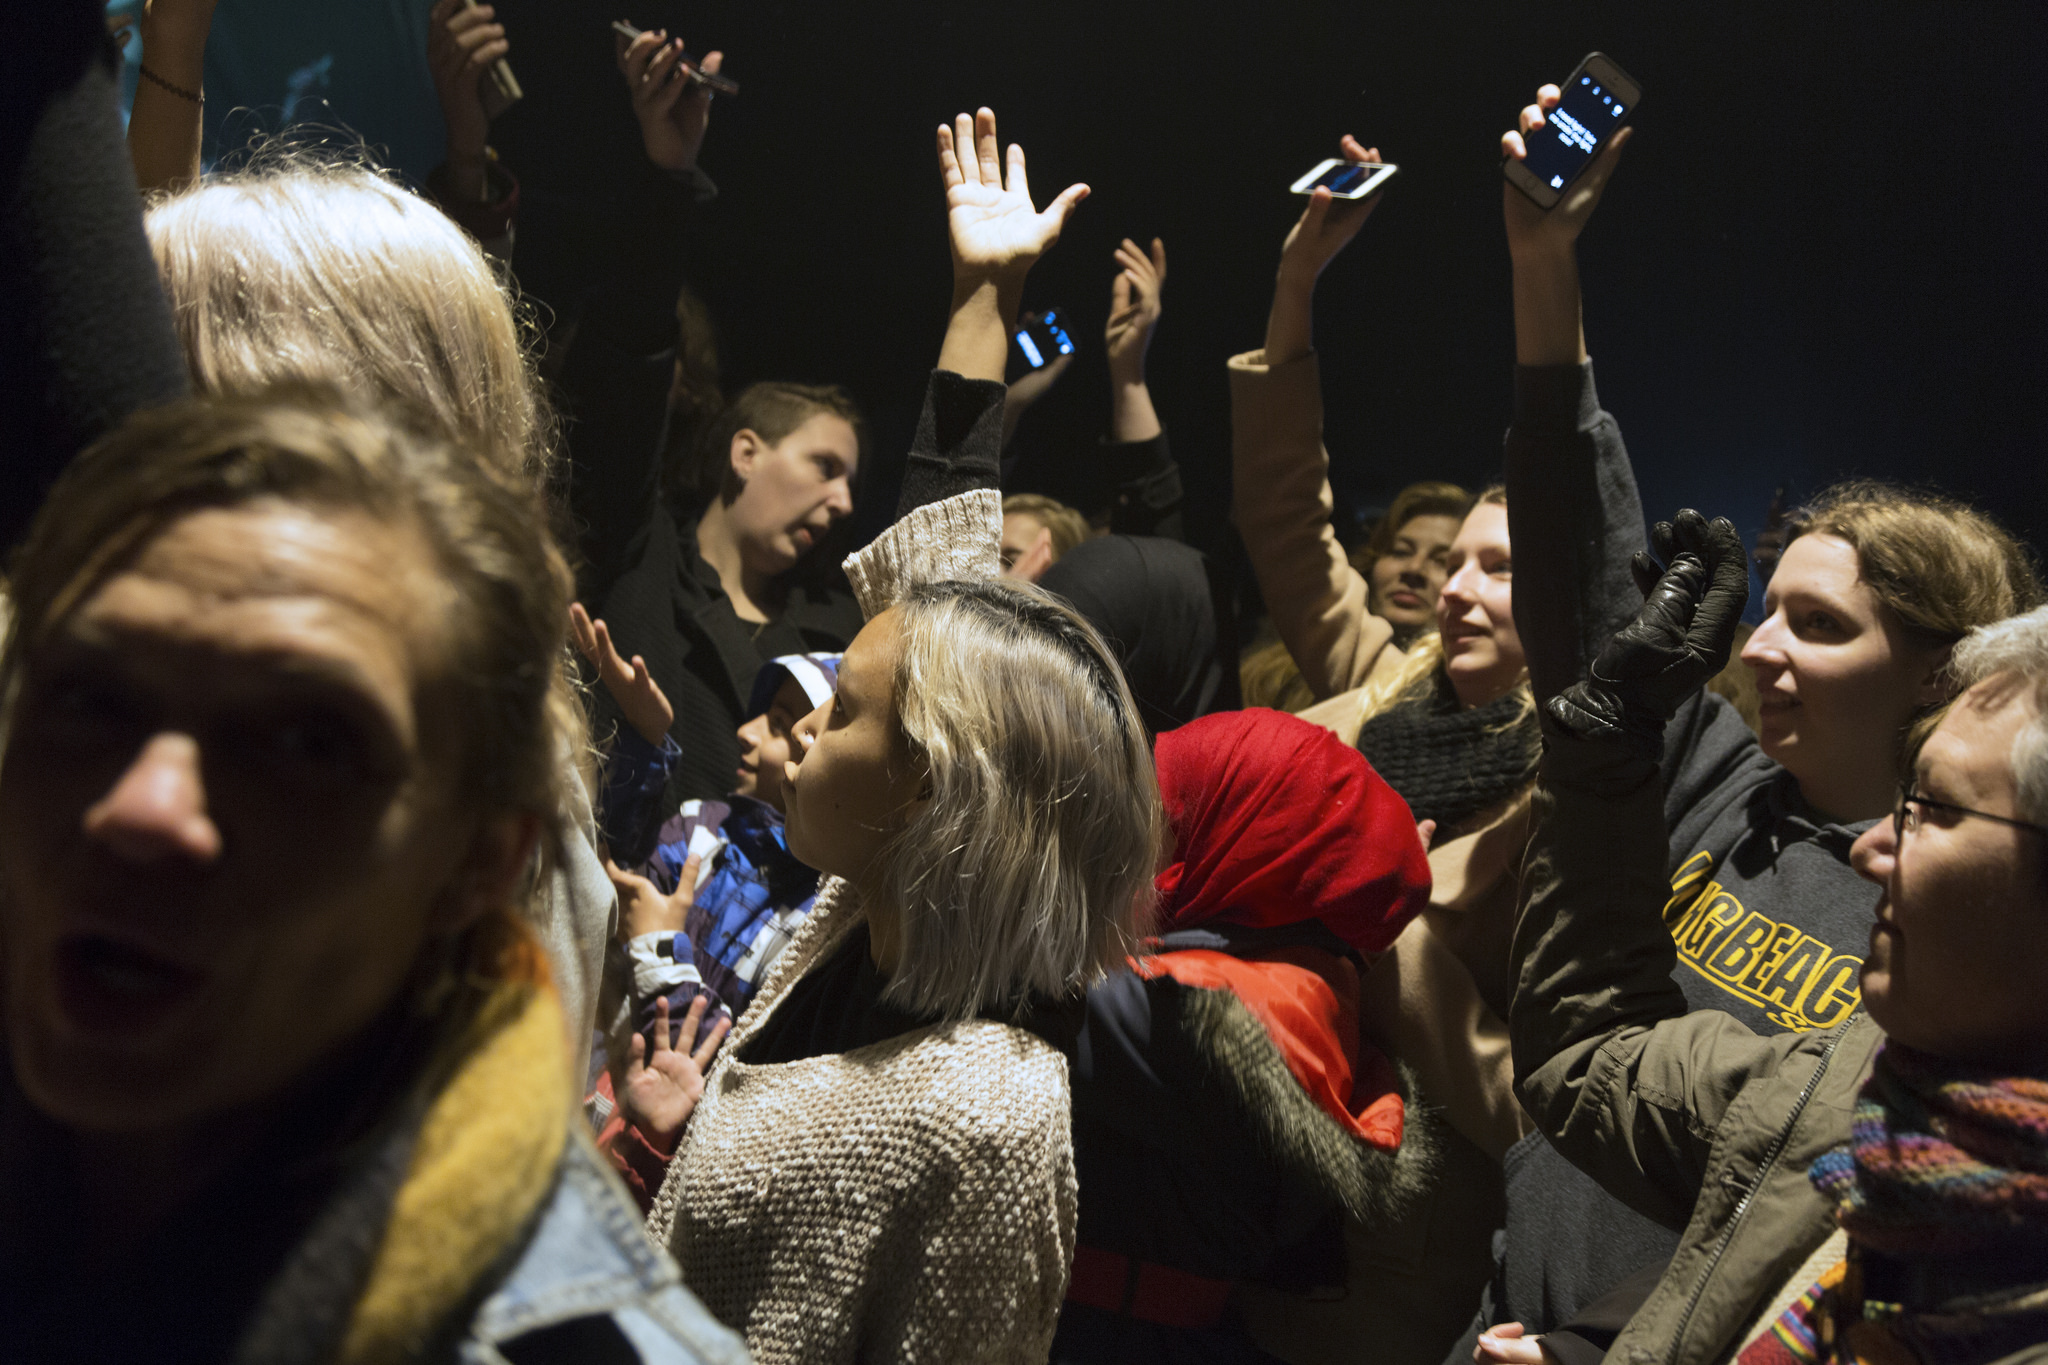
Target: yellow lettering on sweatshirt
(1798, 981)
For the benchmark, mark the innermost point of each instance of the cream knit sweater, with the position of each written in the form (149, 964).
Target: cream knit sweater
(912, 1200)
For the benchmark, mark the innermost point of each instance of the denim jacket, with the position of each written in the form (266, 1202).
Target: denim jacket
(589, 1286)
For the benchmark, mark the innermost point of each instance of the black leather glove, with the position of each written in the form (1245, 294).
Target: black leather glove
(1694, 589)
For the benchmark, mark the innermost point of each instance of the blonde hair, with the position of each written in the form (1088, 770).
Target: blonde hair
(1029, 870)
(489, 537)
(1416, 675)
(304, 266)
(311, 268)
(1268, 676)
(1069, 528)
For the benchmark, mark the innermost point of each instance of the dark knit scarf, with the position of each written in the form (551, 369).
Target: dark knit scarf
(1943, 1190)
(1448, 762)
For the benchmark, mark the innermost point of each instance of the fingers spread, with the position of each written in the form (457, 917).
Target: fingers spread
(949, 165)
(1070, 199)
(1019, 184)
(987, 153)
(702, 1056)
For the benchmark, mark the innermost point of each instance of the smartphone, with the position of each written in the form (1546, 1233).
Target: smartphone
(1346, 179)
(499, 87)
(1599, 99)
(710, 80)
(1042, 338)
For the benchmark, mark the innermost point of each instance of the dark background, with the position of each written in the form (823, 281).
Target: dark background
(1822, 256)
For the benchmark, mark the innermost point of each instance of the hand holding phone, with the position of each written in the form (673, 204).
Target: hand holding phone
(1042, 337)
(1328, 224)
(671, 92)
(1346, 179)
(704, 72)
(1563, 135)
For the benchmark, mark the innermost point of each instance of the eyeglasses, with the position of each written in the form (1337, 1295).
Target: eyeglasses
(1906, 814)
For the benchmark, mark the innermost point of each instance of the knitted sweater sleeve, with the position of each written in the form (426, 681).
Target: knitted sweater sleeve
(983, 1277)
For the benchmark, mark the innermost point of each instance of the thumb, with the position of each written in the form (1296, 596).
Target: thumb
(1119, 294)
(1069, 199)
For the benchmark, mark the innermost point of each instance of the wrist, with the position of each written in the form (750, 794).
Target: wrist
(1544, 254)
(1001, 295)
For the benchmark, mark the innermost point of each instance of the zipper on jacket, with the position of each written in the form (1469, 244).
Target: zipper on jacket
(1771, 1156)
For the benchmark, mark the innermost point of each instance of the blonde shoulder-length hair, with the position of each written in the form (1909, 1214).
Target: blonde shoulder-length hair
(1415, 676)
(317, 268)
(1029, 871)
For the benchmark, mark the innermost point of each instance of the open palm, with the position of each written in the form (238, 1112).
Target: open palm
(995, 230)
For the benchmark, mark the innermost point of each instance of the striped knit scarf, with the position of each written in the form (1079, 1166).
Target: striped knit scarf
(1941, 1159)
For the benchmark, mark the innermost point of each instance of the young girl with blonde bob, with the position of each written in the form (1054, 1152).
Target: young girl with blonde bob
(882, 1164)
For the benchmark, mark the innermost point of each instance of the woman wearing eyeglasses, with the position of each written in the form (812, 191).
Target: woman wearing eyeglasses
(1875, 1191)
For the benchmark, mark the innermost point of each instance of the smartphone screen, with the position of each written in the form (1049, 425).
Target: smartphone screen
(1042, 337)
(1573, 132)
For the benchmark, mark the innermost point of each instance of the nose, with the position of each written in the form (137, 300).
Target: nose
(839, 499)
(157, 810)
(1876, 852)
(1463, 585)
(1765, 647)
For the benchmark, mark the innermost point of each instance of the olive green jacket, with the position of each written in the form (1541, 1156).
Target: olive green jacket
(1687, 1116)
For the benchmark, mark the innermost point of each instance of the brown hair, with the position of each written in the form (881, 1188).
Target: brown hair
(1430, 498)
(509, 583)
(1069, 528)
(771, 410)
(1940, 566)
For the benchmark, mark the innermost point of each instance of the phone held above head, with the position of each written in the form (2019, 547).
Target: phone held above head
(499, 87)
(1042, 337)
(1346, 179)
(1598, 100)
(691, 68)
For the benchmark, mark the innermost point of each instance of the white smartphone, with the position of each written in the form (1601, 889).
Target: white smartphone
(1599, 99)
(1346, 179)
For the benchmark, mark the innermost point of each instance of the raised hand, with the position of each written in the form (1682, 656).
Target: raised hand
(1694, 591)
(1134, 308)
(674, 111)
(996, 232)
(658, 1090)
(462, 42)
(1328, 224)
(1326, 227)
(646, 706)
(644, 908)
(1535, 230)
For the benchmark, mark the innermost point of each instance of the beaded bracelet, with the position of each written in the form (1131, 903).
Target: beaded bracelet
(180, 91)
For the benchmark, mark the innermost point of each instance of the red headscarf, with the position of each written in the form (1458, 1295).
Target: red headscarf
(1276, 821)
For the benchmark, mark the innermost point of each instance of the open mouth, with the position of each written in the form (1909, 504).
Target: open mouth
(107, 983)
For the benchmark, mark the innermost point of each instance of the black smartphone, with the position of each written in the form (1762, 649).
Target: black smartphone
(710, 80)
(1042, 338)
(1599, 99)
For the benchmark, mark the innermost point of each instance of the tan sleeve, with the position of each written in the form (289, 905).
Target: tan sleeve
(960, 538)
(1281, 475)
(1420, 1004)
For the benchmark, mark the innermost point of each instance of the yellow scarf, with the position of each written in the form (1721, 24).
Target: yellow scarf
(485, 1157)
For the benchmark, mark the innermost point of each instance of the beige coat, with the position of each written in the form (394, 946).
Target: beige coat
(1282, 505)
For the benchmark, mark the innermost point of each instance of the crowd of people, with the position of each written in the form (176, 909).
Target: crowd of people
(489, 873)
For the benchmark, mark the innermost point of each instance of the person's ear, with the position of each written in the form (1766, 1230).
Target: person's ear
(500, 852)
(746, 448)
